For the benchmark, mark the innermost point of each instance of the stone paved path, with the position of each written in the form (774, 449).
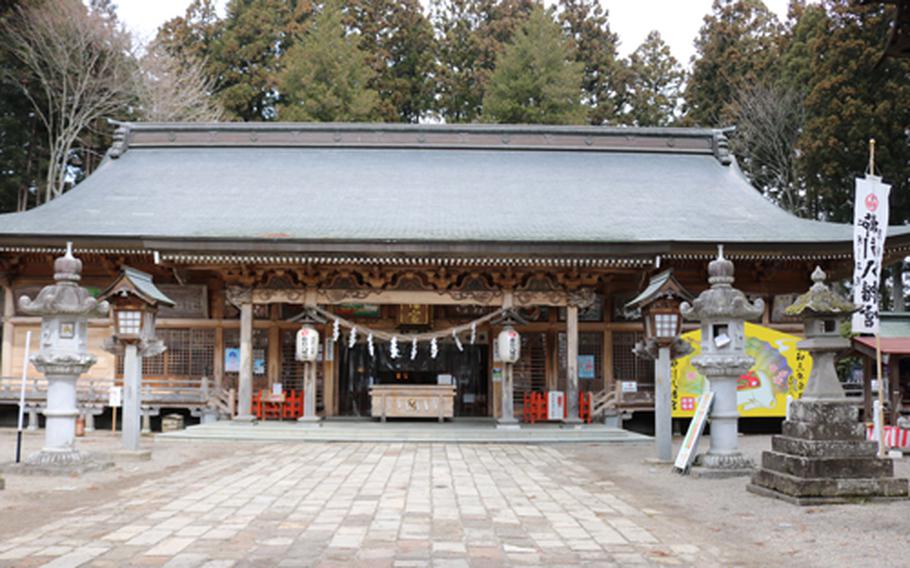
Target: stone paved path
(374, 505)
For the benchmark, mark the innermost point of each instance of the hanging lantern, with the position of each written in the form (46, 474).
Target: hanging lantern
(307, 349)
(508, 345)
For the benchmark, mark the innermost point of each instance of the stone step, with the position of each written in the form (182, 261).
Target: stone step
(833, 488)
(840, 468)
(823, 448)
(823, 412)
(409, 432)
(830, 431)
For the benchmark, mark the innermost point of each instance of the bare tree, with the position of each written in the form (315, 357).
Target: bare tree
(79, 71)
(174, 90)
(769, 121)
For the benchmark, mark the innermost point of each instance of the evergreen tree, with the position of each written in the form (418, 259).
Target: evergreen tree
(738, 44)
(655, 83)
(834, 54)
(245, 56)
(536, 80)
(604, 84)
(190, 37)
(398, 40)
(326, 75)
(22, 135)
(471, 35)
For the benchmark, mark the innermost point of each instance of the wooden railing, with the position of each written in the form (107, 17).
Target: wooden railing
(225, 402)
(604, 401)
(182, 392)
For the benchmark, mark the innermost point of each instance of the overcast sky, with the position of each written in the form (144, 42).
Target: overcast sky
(678, 21)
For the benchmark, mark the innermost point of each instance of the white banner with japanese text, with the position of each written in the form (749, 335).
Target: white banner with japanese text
(870, 224)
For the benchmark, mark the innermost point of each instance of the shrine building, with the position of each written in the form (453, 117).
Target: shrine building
(406, 229)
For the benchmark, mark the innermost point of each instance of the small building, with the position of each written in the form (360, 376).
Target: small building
(410, 227)
(895, 349)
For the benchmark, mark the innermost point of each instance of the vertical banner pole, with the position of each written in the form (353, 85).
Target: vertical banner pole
(28, 344)
(880, 419)
(870, 224)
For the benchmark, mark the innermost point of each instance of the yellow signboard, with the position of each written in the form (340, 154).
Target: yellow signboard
(780, 369)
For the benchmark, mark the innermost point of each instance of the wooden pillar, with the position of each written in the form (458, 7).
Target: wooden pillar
(552, 360)
(329, 374)
(9, 309)
(609, 379)
(245, 382)
(217, 311)
(274, 355)
(572, 416)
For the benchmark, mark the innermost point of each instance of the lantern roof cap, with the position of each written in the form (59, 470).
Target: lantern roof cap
(661, 285)
(140, 284)
(65, 297)
(820, 300)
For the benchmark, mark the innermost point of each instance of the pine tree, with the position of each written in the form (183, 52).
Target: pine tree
(585, 24)
(656, 78)
(536, 80)
(471, 35)
(738, 43)
(326, 75)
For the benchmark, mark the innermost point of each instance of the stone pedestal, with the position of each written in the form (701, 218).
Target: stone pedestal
(823, 457)
(309, 418)
(507, 420)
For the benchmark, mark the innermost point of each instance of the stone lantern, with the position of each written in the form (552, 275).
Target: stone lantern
(822, 311)
(65, 308)
(307, 352)
(135, 300)
(722, 310)
(822, 455)
(659, 304)
(508, 348)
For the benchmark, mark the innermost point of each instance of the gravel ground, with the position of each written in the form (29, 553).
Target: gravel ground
(749, 530)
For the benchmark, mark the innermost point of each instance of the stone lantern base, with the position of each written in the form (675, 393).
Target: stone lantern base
(713, 466)
(52, 463)
(823, 458)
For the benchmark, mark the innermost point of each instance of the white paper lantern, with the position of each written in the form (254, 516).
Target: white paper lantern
(508, 345)
(307, 344)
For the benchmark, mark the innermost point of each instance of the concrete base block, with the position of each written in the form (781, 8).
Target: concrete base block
(246, 418)
(120, 456)
(44, 465)
(810, 501)
(701, 472)
(508, 425)
(310, 421)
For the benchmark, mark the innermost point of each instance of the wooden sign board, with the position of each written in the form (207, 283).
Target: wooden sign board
(696, 427)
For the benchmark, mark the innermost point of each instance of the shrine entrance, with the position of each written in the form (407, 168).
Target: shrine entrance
(466, 369)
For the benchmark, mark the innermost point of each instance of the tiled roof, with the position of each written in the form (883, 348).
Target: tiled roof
(436, 184)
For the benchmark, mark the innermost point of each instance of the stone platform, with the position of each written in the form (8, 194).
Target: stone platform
(472, 431)
(823, 457)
